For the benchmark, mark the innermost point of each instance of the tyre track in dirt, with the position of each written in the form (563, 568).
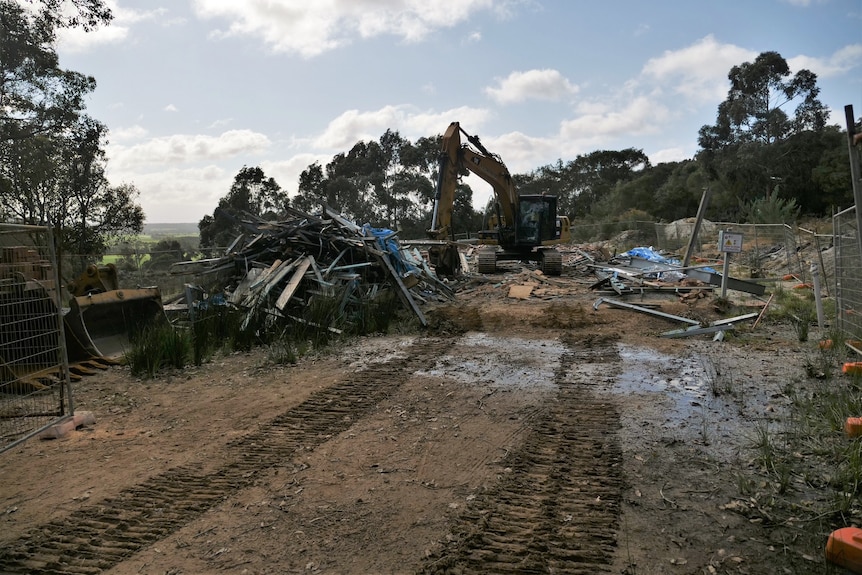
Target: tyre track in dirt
(102, 535)
(557, 511)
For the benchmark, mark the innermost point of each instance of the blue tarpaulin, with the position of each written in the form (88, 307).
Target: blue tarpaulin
(651, 255)
(386, 241)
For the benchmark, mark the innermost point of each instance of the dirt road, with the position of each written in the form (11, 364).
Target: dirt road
(513, 436)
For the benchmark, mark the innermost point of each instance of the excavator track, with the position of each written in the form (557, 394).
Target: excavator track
(552, 262)
(98, 537)
(487, 260)
(555, 510)
(558, 509)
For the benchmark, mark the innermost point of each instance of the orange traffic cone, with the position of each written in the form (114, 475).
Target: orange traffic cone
(844, 548)
(852, 368)
(853, 426)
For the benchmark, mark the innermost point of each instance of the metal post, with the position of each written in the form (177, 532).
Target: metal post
(725, 272)
(854, 171)
(701, 212)
(815, 275)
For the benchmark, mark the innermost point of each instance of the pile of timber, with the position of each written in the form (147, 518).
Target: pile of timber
(278, 267)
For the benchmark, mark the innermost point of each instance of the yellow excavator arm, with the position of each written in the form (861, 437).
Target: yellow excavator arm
(455, 158)
(523, 226)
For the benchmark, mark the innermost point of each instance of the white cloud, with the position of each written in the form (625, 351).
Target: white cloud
(642, 29)
(183, 148)
(532, 85)
(312, 28)
(171, 108)
(669, 155)
(130, 133)
(221, 123)
(520, 152)
(287, 172)
(353, 125)
(641, 115)
(698, 72)
(172, 192)
(841, 62)
(76, 40)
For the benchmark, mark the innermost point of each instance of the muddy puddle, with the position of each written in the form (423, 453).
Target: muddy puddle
(682, 394)
(502, 362)
(676, 395)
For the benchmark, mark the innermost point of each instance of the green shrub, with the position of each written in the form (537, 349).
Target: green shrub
(157, 347)
(797, 308)
(772, 210)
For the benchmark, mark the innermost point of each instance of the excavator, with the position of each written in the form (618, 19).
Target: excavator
(520, 228)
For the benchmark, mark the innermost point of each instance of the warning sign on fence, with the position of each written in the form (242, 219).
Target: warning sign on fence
(729, 242)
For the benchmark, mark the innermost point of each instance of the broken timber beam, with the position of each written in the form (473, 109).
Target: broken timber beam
(646, 310)
(403, 292)
(288, 291)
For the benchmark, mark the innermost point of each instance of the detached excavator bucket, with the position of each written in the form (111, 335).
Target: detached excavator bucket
(104, 324)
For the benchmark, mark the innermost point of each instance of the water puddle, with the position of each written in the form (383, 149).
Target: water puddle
(645, 369)
(502, 362)
(675, 394)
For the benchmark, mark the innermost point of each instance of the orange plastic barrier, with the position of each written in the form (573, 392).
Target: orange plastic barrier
(852, 368)
(828, 344)
(853, 426)
(844, 548)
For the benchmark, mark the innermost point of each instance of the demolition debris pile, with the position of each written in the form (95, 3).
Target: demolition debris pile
(279, 268)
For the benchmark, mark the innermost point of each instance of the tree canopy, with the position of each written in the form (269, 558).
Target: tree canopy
(387, 183)
(770, 135)
(770, 151)
(52, 160)
(252, 193)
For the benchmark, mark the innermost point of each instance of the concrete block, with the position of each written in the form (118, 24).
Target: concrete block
(58, 430)
(83, 418)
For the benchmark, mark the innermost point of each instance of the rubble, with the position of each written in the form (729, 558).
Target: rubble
(279, 267)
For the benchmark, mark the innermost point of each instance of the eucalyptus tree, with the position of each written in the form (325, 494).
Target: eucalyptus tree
(52, 161)
(386, 183)
(253, 194)
(762, 133)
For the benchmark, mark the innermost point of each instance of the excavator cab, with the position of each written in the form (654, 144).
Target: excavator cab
(537, 220)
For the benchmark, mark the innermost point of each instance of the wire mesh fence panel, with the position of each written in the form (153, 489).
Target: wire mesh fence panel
(848, 274)
(35, 386)
(770, 246)
(636, 233)
(764, 246)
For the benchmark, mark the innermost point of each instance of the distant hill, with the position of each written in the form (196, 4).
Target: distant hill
(158, 231)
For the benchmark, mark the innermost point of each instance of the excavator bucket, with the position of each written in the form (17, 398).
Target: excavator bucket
(104, 324)
(98, 325)
(103, 319)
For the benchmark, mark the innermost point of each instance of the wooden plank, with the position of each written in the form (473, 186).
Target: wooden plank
(288, 291)
(403, 292)
(242, 289)
(278, 275)
(520, 291)
(266, 273)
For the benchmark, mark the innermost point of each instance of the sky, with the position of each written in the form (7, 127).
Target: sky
(194, 90)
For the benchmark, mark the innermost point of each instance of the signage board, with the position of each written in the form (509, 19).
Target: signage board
(729, 242)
